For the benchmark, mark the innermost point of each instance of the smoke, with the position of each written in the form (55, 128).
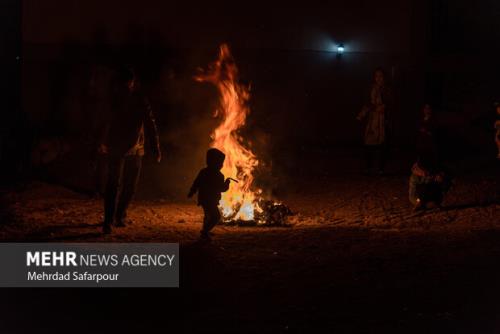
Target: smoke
(184, 114)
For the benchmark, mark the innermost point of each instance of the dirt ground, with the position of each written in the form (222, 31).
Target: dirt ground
(356, 259)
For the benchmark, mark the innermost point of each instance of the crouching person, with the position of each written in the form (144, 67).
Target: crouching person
(210, 184)
(428, 185)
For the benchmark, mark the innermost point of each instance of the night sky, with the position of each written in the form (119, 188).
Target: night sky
(365, 26)
(439, 51)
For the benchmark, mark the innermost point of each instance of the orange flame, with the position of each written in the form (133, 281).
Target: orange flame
(239, 202)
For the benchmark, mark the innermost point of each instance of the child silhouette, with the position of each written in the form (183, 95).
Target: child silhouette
(210, 184)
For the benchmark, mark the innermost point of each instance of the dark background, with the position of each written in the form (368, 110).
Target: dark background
(304, 99)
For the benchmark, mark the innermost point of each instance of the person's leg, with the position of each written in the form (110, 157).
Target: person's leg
(115, 170)
(211, 218)
(215, 217)
(101, 174)
(206, 222)
(131, 173)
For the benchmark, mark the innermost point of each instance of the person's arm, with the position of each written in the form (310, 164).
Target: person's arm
(152, 130)
(196, 185)
(225, 186)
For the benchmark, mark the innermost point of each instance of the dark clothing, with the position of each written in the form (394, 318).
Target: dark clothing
(424, 186)
(130, 119)
(428, 190)
(432, 192)
(209, 184)
(210, 219)
(100, 173)
(426, 139)
(123, 176)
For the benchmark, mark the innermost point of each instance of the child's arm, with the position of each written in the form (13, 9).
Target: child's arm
(225, 186)
(195, 186)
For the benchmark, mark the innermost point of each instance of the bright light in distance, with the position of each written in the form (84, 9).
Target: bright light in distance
(340, 48)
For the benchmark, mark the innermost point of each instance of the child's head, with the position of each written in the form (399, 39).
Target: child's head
(215, 158)
(497, 107)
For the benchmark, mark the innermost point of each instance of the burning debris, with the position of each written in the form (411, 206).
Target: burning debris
(242, 204)
(271, 214)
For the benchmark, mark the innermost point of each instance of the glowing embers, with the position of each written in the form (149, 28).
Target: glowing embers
(270, 214)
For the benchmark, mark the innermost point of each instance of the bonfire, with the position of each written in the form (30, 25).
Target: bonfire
(243, 203)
